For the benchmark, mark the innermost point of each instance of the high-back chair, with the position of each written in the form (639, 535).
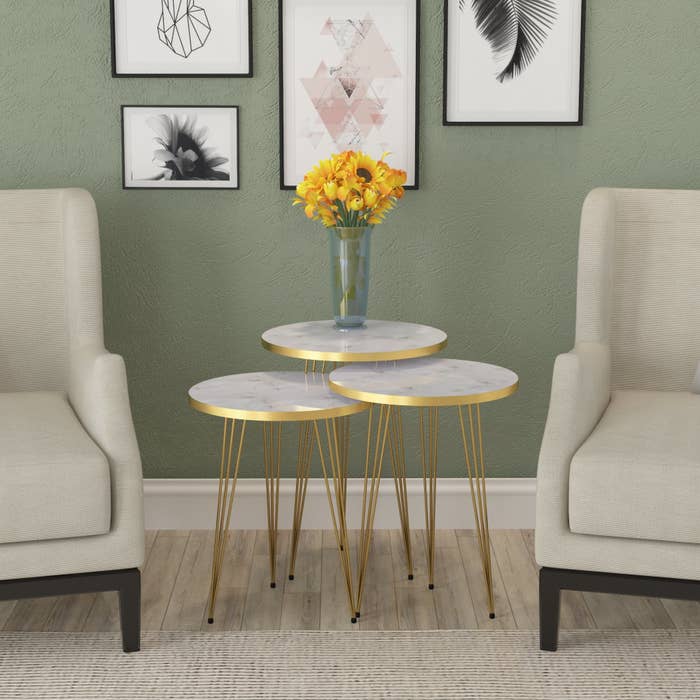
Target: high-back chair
(618, 482)
(71, 503)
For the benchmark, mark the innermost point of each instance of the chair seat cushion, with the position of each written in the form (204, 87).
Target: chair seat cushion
(54, 480)
(638, 474)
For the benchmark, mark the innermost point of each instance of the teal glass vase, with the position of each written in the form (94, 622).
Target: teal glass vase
(349, 252)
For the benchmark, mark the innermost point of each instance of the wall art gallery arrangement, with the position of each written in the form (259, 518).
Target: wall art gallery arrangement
(349, 79)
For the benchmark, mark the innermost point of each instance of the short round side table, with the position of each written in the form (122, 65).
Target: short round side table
(272, 399)
(430, 384)
(322, 346)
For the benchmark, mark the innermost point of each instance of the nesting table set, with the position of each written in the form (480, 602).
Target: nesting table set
(376, 369)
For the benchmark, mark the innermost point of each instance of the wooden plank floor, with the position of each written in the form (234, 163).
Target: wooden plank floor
(178, 565)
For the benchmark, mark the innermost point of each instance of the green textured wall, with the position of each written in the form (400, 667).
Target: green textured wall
(485, 250)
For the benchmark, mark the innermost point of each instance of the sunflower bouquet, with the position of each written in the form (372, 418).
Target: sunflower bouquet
(349, 194)
(350, 190)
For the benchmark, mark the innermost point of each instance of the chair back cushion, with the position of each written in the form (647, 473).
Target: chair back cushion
(50, 290)
(34, 337)
(639, 284)
(656, 291)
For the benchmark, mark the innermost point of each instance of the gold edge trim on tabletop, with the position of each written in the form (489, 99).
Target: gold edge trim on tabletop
(299, 354)
(277, 416)
(422, 401)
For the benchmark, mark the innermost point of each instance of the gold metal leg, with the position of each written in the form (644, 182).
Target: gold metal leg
(304, 452)
(343, 428)
(398, 469)
(272, 443)
(473, 442)
(429, 452)
(227, 491)
(374, 456)
(336, 501)
(334, 467)
(326, 366)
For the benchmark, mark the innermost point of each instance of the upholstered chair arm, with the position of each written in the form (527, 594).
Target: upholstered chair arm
(580, 395)
(99, 395)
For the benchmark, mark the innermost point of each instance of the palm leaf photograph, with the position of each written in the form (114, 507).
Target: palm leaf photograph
(515, 62)
(515, 29)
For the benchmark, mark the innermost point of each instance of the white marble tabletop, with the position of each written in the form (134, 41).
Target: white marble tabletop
(272, 396)
(430, 381)
(376, 340)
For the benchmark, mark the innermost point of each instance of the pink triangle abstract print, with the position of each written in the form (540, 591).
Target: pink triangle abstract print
(350, 97)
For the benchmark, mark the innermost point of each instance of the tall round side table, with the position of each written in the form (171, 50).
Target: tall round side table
(430, 384)
(272, 399)
(322, 346)
(322, 342)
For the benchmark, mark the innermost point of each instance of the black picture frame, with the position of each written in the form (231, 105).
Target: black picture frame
(189, 107)
(116, 74)
(577, 122)
(283, 185)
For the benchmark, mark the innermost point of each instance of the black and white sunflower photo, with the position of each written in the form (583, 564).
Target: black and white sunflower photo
(182, 152)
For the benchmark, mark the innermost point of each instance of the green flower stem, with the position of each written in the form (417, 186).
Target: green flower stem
(348, 268)
(350, 219)
(352, 250)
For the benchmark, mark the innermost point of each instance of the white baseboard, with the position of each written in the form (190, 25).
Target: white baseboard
(190, 504)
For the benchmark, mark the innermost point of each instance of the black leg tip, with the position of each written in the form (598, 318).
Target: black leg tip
(291, 577)
(431, 586)
(492, 616)
(357, 615)
(210, 621)
(273, 585)
(410, 577)
(353, 620)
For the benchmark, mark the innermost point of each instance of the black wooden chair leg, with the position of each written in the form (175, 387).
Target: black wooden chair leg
(550, 597)
(130, 610)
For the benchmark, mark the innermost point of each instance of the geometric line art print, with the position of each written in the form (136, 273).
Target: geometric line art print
(183, 26)
(516, 30)
(350, 98)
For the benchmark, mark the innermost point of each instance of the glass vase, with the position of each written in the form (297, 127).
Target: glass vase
(349, 252)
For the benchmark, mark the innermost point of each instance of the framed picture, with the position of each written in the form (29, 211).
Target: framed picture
(511, 62)
(170, 38)
(169, 147)
(348, 81)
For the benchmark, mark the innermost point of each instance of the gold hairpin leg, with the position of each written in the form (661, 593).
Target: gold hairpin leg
(334, 468)
(374, 457)
(398, 469)
(474, 457)
(272, 448)
(429, 452)
(304, 452)
(227, 491)
(343, 428)
(330, 464)
(323, 366)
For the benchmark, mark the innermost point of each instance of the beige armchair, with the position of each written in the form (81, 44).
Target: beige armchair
(71, 505)
(618, 482)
